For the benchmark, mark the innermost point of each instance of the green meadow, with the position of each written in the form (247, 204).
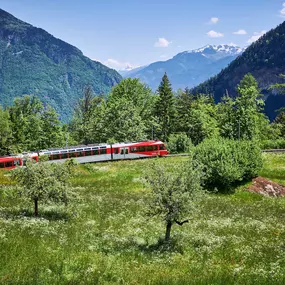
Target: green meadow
(104, 237)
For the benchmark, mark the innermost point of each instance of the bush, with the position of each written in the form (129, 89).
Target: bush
(273, 144)
(179, 143)
(227, 162)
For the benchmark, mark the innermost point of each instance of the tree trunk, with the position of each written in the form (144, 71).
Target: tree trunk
(36, 207)
(168, 229)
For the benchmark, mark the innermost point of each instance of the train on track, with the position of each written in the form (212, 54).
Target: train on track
(90, 153)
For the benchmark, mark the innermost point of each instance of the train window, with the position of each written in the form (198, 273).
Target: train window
(116, 150)
(9, 164)
(88, 152)
(103, 151)
(17, 162)
(95, 152)
(133, 149)
(161, 147)
(149, 148)
(155, 147)
(50, 157)
(141, 149)
(64, 155)
(80, 153)
(72, 154)
(2, 165)
(56, 156)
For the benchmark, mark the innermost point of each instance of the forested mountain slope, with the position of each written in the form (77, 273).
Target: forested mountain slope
(265, 59)
(34, 62)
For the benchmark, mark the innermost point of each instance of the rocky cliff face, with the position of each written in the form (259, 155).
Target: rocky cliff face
(34, 62)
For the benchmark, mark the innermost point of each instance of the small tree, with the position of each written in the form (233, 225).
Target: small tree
(44, 182)
(175, 190)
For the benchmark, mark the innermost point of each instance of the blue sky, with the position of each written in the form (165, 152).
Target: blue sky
(138, 32)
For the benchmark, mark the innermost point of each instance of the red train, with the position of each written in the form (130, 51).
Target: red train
(92, 153)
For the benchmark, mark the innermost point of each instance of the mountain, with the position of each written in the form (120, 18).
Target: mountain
(265, 59)
(188, 68)
(32, 61)
(127, 72)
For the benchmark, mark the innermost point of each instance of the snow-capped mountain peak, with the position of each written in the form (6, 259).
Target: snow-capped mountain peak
(223, 48)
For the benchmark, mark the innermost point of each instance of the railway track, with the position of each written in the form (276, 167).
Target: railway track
(274, 150)
(264, 150)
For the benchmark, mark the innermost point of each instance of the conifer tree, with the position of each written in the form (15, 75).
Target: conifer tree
(165, 108)
(5, 131)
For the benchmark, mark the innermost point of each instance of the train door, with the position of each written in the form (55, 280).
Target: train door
(124, 151)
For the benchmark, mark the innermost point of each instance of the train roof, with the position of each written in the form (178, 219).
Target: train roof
(7, 158)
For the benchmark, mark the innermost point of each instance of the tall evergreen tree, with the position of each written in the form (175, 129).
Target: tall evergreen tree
(184, 101)
(5, 131)
(165, 108)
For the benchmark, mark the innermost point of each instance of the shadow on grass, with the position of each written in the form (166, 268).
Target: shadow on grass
(133, 245)
(51, 215)
(162, 246)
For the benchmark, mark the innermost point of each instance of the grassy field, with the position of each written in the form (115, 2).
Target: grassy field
(103, 236)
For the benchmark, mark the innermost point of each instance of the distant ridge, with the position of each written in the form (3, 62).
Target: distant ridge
(265, 59)
(32, 61)
(188, 68)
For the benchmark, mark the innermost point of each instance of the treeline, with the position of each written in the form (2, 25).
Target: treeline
(131, 112)
(28, 125)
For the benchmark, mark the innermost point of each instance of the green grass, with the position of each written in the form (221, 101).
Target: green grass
(274, 167)
(103, 236)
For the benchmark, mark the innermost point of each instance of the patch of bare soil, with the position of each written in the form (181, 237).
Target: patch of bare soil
(266, 187)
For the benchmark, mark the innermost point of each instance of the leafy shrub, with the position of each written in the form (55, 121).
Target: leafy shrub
(179, 143)
(273, 144)
(227, 162)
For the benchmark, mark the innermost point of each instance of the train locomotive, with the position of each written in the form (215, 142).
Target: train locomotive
(91, 153)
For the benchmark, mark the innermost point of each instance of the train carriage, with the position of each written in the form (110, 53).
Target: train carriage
(10, 162)
(92, 153)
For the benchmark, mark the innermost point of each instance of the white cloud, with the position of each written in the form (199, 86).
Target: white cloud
(240, 32)
(256, 36)
(118, 65)
(213, 34)
(162, 42)
(282, 11)
(214, 20)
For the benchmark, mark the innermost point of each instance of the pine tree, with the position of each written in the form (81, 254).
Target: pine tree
(165, 108)
(184, 101)
(5, 131)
